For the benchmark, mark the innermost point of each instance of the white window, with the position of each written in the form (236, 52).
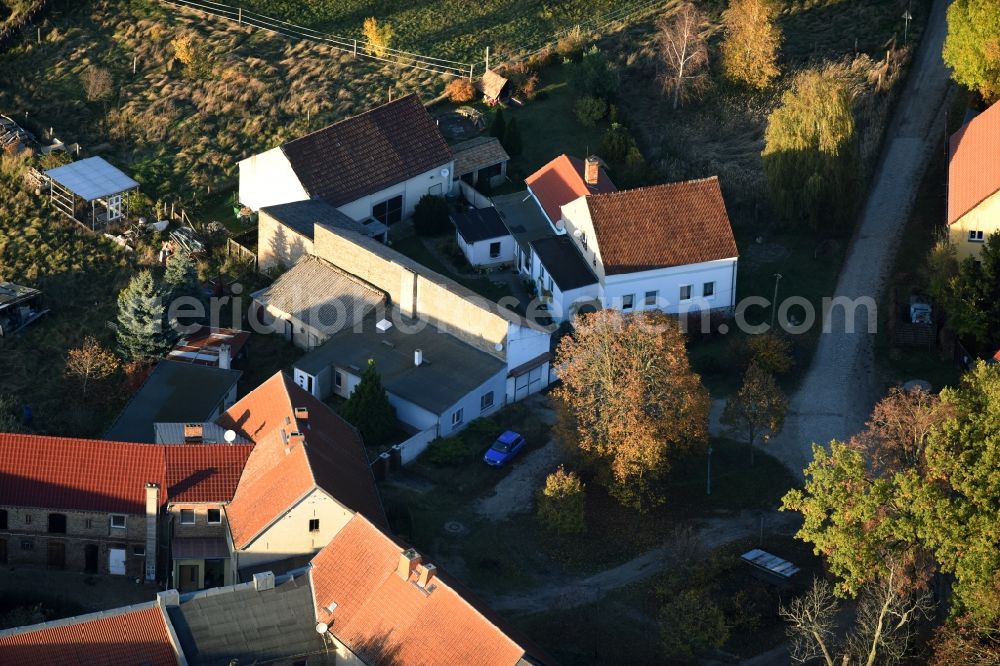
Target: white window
(628, 300)
(314, 524)
(114, 207)
(494, 250)
(975, 236)
(708, 289)
(118, 521)
(686, 292)
(651, 297)
(457, 417)
(551, 287)
(139, 551)
(187, 516)
(486, 401)
(338, 378)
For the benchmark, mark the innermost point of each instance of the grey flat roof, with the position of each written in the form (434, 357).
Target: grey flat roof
(303, 216)
(563, 261)
(219, 626)
(173, 393)
(479, 224)
(92, 178)
(523, 217)
(451, 368)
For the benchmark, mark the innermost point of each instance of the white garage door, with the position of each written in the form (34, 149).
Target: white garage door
(116, 561)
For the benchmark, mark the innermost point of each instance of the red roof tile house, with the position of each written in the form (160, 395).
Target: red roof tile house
(104, 507)
(381, 604)
(307, 476)
(127, 636)
(374, 165)
(974, 182)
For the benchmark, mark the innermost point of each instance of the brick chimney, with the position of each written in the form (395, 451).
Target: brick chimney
(408, 560)
(302, 413)
(425, 574)
(296, 438)
(194, 433)
(152, 511)
(263, 581)
(592, 170)
(225, 357)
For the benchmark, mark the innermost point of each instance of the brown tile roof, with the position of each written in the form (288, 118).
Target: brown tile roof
(561, 181)
(368, 152)
(665, 225)
(202, 345)
(385, 619)
(95, 475)
(974, 165)
(333, 459)
(122, 637)
(478, 153)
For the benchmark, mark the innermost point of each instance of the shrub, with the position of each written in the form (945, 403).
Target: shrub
(430, 217)
(589, 110)
(379, 37)
(771, 352)
(691, 624)
(594, 75)
(446, 452)
(617, 143)
(498, 127)
(561, 502)
(570, 44)
(460, 91)
(512, 139)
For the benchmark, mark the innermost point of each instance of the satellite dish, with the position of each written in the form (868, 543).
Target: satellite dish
(444, 173)
(230, 436)
(577, 233)
(322, 628)
(498, 346)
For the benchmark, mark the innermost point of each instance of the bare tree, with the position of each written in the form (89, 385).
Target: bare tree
(885, 623)
(684, 53)
(97, 83)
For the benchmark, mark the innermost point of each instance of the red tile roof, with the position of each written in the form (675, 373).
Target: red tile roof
(665, 225)
(95, 475)
(974, 163)
(561, 181)
(333, 459)
(385, 619)
(124, 637)
(203, 345)
(368, 152)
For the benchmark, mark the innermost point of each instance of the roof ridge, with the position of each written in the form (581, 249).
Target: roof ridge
(78, 619)
(658, 186)
(398, 100)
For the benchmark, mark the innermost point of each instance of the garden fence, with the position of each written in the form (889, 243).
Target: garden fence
(359, 48)
(8, 33)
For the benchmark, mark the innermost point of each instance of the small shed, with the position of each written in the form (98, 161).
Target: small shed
(479, 159)
(495, 87)
(91, 192)
(770, 567)
(19, 306)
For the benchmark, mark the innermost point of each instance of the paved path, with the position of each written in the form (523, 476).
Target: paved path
(840, 386)
(711, 534)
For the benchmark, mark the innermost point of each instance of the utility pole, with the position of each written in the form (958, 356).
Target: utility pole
(774, 303)
(487, 58)
(907, 17)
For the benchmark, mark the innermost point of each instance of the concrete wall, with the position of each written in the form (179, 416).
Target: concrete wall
(277, 244)
(416, 289)
(290, 534)
(267, 179)
(985, 217)
(79, 534)
(429, 182)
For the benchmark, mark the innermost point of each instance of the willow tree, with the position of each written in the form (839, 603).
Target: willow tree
(810, 153)
(750, 47)
(972, 48)
(629, 401)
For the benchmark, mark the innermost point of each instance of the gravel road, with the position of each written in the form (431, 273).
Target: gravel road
(840, 386)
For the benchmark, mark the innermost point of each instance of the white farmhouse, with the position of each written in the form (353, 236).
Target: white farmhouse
(374, 165)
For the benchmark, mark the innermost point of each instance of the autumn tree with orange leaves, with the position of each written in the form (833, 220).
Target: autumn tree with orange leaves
(629, 401)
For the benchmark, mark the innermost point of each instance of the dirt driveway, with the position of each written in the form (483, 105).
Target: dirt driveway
(840, 386)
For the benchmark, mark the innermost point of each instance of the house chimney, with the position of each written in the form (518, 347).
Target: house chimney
(302, 413)
(592, 170)
(296, 438)
(263, 581)
(168, 598)
(418, 356)
(408, 560)
(152, 511)
(425, 573)
(194, 432)
(225, 357)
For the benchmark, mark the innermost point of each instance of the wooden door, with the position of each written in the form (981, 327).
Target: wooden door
(57, 554)
(90, 558)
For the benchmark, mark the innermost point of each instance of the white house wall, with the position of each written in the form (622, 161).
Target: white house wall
(525, 344)
(667, 282)
(267, 179)
(478, 253)
(412, 190)
(471, 403)
(576, 216)
(289, 535)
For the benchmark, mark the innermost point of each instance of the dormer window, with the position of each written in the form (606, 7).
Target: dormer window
(583, 240)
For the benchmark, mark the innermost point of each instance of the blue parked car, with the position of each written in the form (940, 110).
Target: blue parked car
(506, 447)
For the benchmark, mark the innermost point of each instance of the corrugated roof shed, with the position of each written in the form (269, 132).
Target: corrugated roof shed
(91, 178)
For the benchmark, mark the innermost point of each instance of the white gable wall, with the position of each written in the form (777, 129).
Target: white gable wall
(429, 182)
(667, 282)
(267, 179)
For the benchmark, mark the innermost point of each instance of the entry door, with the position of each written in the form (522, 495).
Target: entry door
(520, 387)
(90, 558)
(57, 554)
(188, 577)
(116, 561)
(3, 551)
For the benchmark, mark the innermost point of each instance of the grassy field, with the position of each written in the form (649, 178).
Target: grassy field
(454, 29)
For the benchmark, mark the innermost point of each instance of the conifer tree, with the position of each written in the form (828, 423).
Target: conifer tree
(142, 334)
(368, 409)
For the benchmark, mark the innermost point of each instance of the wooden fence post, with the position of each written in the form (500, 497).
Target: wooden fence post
(239, 15)
(355, 49)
